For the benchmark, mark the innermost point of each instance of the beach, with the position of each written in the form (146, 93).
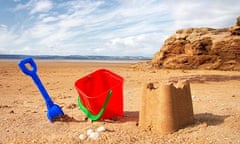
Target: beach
(215, 97)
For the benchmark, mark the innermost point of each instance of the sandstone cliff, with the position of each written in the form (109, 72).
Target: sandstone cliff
(201, 48)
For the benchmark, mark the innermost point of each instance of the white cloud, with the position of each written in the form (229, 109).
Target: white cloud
(16, 0)
(90, 29)
(40, 31)
(49, 19)
(204, 13)
(7, 39)
(3, 28)
(142, 44)
(41, 6)
(35, 6)
(24, 6)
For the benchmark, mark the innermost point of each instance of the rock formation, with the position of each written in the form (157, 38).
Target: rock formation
(201, 48)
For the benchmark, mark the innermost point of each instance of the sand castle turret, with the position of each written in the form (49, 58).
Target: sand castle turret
(166, 108)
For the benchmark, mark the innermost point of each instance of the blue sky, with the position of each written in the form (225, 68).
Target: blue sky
(104, 27)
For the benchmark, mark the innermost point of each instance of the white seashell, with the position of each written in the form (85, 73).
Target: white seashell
(82, 136)
(101, 129)
(89, 131)
(94, 135)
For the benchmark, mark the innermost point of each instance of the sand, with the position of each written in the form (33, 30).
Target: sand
(215, 96)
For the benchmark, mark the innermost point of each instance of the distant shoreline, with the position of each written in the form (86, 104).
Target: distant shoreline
(74, 57)
(75, 60)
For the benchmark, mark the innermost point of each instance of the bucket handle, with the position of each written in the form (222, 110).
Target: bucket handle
(100, 113)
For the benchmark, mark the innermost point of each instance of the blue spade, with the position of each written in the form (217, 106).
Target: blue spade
(53, 110)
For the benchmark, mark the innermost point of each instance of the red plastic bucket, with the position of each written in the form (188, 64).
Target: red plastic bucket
(93, 90)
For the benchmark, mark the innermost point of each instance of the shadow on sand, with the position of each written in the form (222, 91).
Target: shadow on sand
(133, 116)
(130, 116)
(66, 118)
(204, 78)
(210, 119)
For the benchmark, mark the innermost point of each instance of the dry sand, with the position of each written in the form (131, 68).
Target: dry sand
(215, 94)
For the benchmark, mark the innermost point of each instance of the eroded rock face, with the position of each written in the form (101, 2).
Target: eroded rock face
(201, 48)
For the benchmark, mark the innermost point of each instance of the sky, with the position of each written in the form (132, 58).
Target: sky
(104, 27)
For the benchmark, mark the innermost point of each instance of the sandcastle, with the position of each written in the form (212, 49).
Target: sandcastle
(165, 107)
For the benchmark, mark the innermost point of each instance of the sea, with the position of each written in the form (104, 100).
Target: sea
(77, 58)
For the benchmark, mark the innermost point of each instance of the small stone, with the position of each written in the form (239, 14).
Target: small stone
(137, 123)
(11, 112)
(82, 137)
(94, 135)
(89, 131)
(85, 118)
(101, 129)
(150, 86)
(71, 106)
